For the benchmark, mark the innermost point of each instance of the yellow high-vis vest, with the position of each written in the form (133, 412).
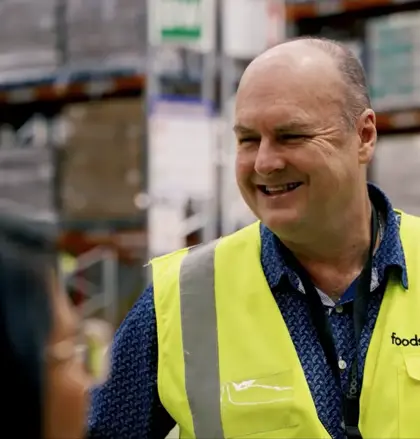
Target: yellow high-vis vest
(227, 367)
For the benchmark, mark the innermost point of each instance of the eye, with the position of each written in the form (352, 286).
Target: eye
(248, 140)
(286, 137)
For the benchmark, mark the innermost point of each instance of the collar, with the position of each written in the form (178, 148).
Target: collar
(390, 254)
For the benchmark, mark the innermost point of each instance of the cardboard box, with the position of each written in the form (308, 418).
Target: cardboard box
(101, 171)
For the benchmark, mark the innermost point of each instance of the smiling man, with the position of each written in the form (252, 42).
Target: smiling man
(306, 134)
(286, 328)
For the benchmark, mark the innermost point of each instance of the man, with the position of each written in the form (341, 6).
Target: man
(207, 347)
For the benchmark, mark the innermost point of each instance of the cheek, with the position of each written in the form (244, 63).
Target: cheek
(332, 168)
(244, 165)
(321, 159)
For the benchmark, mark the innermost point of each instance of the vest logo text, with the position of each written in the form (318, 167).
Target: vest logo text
(414, 341)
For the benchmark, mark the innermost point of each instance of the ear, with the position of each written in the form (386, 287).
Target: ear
(366, 129)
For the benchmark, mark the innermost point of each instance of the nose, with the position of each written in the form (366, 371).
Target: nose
(269, 159)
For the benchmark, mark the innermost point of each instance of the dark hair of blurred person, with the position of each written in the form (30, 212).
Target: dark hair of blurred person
(44, 382)
(25, 324)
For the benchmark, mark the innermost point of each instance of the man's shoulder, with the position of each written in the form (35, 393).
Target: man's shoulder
(180, 253)
(169, 264)
(408, 219)
(128, 405)
(141, 315)
(144, 305)
(409, 230)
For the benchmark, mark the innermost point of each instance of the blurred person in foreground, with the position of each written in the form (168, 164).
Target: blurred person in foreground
(305, 324)
(45, 381)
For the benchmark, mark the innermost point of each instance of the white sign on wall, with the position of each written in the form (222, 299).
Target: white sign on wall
(181, 168)
(185, 23)
(251, 26)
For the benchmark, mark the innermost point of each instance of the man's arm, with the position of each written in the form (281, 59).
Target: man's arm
(128, 405)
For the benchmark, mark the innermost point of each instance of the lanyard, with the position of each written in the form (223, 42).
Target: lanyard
(322, 326)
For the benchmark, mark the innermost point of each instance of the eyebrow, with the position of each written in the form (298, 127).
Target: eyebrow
(240, 129)
(291, 127)
(279, 129)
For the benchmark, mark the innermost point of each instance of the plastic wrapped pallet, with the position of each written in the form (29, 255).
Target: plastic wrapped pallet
(108, 30)
(100, 172)
(393, 53)
(27, 34)
(26, 170)
(396, 170)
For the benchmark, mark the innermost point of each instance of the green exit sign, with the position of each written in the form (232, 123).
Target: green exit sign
(180, 20)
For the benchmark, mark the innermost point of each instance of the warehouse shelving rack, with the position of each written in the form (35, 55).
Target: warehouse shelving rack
(67, 75)
(313, 17)
(52, 86)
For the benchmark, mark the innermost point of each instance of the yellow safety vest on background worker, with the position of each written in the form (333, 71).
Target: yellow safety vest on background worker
(227, 367)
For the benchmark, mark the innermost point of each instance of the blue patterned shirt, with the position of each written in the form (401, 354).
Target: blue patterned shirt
(128, 405)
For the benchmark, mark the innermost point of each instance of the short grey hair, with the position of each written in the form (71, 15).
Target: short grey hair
(353, 74)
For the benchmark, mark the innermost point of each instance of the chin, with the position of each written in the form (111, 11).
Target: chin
(282, 221)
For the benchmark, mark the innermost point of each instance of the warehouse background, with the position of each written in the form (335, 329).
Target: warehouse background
(115, 120)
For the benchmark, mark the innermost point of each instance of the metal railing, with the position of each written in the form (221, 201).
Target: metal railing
(102, 296)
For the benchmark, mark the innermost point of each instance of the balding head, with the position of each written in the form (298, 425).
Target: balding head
(305, 135)
(322, 56)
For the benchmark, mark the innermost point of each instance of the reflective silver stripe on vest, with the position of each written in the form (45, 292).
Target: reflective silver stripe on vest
(199, 336)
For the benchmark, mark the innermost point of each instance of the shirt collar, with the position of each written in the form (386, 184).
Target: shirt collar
(390, 254)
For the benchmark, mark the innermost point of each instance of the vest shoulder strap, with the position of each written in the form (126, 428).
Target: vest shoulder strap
(410, 224)
(162, 265)
(410, 240)
(164, 262)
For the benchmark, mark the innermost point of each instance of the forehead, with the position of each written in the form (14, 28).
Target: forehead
(279, 94)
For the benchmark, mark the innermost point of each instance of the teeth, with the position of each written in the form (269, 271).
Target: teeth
(281, 189)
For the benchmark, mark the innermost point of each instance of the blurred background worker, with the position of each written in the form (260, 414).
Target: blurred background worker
(206, 347)
(46, 376)
(116, 138)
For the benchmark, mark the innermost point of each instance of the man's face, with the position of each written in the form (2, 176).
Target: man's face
(296, 162)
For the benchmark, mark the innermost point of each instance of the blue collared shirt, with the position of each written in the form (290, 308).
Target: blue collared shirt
(128, 405)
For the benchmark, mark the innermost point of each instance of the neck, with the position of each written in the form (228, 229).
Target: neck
(338, 252)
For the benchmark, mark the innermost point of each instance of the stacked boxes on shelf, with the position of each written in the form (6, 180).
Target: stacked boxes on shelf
(393, 53)
(26, 186)
(27, 34)
(26, 166)
(106, 31)
(100, 170)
